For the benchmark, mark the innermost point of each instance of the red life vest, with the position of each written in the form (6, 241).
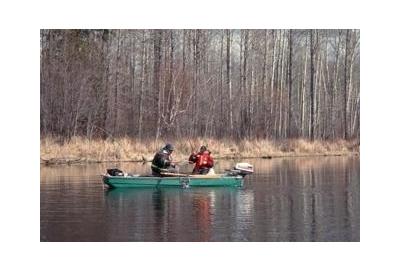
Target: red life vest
(204, 160)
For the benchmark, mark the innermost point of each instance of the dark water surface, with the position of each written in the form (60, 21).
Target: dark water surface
(288, 199)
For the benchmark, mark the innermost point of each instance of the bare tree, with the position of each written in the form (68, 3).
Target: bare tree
(184, 83)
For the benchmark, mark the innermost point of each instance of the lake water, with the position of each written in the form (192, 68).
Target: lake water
(286, 199)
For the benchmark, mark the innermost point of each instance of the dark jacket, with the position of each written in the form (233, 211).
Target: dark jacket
(161, 162)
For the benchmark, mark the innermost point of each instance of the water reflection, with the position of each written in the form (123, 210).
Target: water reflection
(184, 214)
(307, 201)
(303, 199)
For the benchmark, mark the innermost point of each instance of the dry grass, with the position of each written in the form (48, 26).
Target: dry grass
(128, 149)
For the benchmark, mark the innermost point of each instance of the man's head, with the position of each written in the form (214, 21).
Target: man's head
(203, 148)
(169, 148)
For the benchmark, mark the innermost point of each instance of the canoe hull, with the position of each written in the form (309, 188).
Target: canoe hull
(149, 181)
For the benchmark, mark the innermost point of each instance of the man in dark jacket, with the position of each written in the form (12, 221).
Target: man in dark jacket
(162, 161)
(202, 160)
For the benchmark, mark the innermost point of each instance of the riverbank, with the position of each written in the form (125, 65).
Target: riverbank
(82, 150)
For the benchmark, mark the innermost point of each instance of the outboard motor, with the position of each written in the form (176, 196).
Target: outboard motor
(242, 169)
(115, 172)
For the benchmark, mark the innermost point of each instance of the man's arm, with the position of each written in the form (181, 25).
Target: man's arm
(192, 158)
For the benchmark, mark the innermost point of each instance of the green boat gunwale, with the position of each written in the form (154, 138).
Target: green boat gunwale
(176, 181)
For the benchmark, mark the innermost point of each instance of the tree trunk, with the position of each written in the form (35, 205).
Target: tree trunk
(132, 65)
(290, 79)
(265, 108)
(221, 95)
(345, 84)
(303, 96)
(115, 104)
(228, 79)
(312, 84)
(156, 78)
(141, 85)
(272, 107)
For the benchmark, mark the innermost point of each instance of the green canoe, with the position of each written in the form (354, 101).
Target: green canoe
(173, 181)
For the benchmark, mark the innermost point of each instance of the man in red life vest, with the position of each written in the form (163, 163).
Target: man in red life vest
(202, 160)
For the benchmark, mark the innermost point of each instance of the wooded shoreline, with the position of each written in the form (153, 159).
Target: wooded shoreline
(81, 150)
(220, 83)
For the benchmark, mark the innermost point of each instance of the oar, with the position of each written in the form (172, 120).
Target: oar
(174, 174)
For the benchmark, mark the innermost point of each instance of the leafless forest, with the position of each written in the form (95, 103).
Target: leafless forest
(236, 84)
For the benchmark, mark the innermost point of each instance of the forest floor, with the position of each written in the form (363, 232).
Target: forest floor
(82, 150)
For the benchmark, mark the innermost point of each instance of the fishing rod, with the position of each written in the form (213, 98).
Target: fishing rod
(191, 145)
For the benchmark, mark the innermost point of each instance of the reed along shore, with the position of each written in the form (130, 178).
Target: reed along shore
(83, 150)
